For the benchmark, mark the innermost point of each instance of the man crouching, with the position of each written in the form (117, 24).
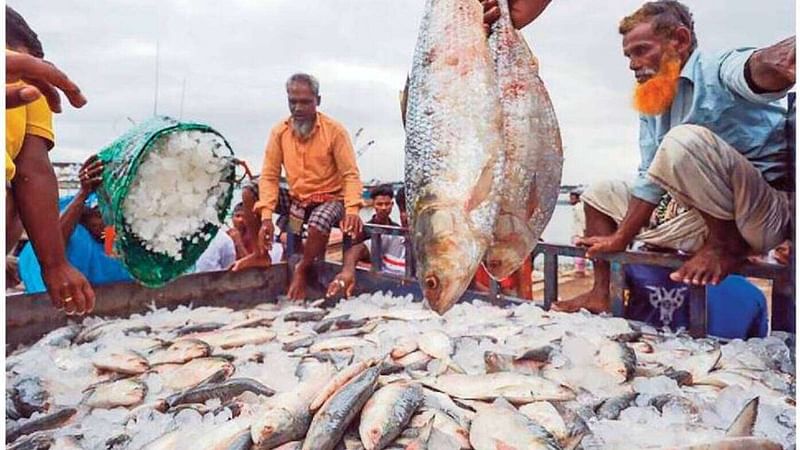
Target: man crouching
(713, 149)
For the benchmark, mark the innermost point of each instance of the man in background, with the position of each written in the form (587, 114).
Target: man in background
(325, 186)
(82, 228)
(393, 248)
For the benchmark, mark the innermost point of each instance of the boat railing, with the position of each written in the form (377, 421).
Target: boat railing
(782, 276)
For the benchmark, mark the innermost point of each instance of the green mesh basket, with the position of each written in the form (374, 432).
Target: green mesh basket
(122, 159)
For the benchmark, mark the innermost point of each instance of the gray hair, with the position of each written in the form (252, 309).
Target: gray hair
(304, 78)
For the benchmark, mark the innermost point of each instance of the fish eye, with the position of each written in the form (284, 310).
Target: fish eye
(431, 282)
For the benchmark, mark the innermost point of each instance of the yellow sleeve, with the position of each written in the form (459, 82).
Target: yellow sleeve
(40, 121)
(269, 179)
(345, 158)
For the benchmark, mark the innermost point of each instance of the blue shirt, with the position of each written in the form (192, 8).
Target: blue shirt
(83, 252)
(735, 308)
(713, 93)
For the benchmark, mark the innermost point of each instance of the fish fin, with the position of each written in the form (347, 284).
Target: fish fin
(742, 425)
(216, 377)
(501, 402)
(404, 100)
(499, 445)
(532, 203)
(456, 368)
(483, 187)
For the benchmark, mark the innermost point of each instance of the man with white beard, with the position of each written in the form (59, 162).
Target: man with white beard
(324, 181)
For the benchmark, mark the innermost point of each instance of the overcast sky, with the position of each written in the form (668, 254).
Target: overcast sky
(235, 56)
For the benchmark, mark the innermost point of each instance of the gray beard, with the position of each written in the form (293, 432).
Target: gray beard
(303, 129)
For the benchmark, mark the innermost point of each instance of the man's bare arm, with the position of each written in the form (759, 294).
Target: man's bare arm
(638, 215)
(772, 69)
(35, 191)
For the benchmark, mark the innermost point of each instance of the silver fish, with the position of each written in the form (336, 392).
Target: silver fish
(501, 426)
(416, 360)
(125, 362)
(567, 427)
(313, 315)
(60, 337)
(28, 396)
(231, 435)
(442, 402)
(533, 152)
(516, 388)
(41, 440)
(387, 412)
(196, 371)
(331, 421)
(234, 338)
(612, 407)
(497, 362)
(41, 423)
(403, 346)
(93, 332)
(454, 149)
(224, 391)
(290, 415)
(617, 359)
(338, 343)
(180, 352)
(125, 392)
(736, 443)
(294, 445)
(336, 383)
(198, 328)
(445, 424)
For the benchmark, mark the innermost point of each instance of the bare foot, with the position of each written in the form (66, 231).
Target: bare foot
(710, 265)
(594, 302)
(297, 288)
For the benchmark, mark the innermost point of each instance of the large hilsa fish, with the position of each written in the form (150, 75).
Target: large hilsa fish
(454, 149)
(532, 150)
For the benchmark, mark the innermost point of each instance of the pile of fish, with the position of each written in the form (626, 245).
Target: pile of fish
(384, 372)
(483, 149)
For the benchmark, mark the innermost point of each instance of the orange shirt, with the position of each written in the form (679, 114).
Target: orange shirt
(482, 276)
(324, 164)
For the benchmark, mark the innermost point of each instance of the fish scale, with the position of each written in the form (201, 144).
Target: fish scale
(453, 154)
(532, 150)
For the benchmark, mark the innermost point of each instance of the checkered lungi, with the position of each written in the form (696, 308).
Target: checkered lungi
(320, 215)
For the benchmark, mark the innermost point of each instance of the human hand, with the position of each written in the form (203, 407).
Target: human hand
(68, 289)
(42, 78)
(601, 244)
(522, 12)
(266, 235)
(235, 235)
(352, 225)
(251, 260)
(344, 282)
(91, 174)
